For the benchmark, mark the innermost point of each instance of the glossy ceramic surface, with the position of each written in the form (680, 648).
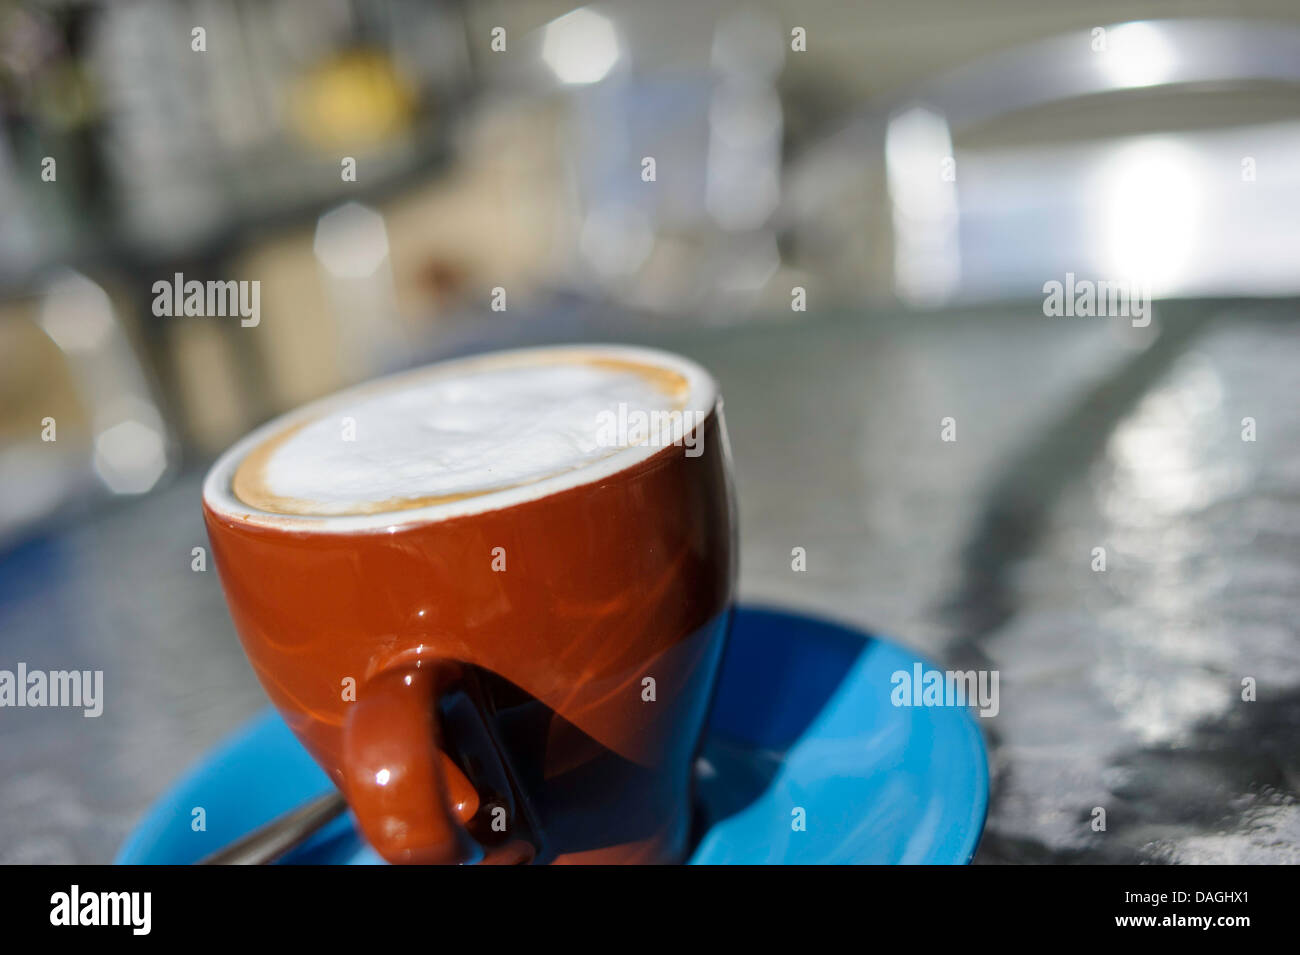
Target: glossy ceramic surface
(528, 680)
(802, 719)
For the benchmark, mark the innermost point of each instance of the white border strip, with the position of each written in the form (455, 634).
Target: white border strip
(702, 398)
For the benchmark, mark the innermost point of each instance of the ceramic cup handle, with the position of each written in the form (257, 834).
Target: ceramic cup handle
(412, 801)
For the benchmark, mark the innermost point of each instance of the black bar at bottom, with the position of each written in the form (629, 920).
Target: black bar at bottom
(299, 904)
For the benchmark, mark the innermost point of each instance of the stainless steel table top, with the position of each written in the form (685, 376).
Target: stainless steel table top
(1119, 689)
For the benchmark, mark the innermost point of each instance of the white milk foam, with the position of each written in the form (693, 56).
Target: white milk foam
(476, 431)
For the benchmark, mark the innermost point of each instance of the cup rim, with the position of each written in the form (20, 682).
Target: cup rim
(220, 501)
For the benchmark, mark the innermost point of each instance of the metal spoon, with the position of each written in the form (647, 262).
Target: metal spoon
(268, 843)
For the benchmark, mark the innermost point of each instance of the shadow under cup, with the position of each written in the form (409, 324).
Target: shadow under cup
(549, 711)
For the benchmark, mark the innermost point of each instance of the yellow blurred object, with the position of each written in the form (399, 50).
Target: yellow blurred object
(356, 99)
(37, 381)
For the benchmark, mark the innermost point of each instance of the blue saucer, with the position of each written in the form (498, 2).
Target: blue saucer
(802, 720)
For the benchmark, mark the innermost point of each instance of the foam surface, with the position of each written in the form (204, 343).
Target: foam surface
(444, 437)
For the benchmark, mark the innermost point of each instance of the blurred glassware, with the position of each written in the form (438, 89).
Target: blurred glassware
(187, 143)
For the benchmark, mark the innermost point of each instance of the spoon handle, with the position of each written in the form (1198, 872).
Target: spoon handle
(278, 836)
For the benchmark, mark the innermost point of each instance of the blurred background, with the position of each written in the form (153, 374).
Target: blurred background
(849, 213)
